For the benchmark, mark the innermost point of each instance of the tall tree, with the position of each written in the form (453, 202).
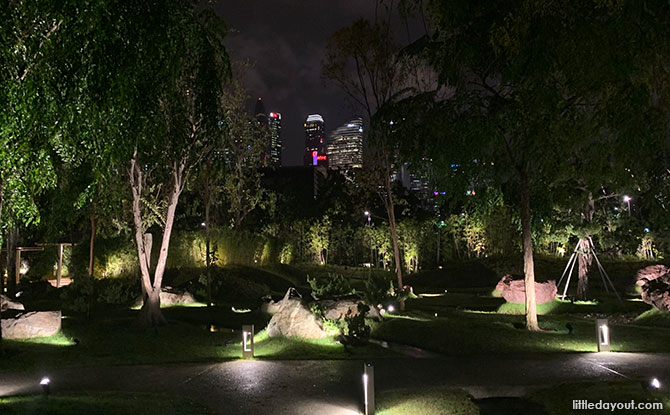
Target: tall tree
(365, 62)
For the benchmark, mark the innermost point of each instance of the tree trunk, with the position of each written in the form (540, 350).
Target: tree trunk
(150, 314)
(528, 265)
(585, 259)
(2, 276)
(12, 241)
(208, 252)
(394, 234)
(91, 243)
(148, 239)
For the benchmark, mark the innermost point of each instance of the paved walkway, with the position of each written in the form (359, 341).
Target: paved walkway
(334, 387)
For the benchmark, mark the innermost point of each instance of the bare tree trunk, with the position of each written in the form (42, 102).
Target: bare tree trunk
(208, 252)
(394, 234)
(91, 243)
(2, 277)
(528, 265)
(12, 241)
(585, 259)
(148, 245)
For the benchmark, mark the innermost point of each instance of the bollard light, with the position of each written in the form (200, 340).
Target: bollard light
(603, 335)
(247, 341)
(390, 308)
(44, 383)
(369, 388)
(655, 383)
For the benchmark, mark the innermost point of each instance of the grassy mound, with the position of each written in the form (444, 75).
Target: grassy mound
(654, 317)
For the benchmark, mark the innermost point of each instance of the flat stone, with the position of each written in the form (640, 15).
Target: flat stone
(33, 324)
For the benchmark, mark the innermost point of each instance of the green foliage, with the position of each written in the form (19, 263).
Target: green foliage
(355, 328)
(333, 285)
(85, 293)
(378, 289)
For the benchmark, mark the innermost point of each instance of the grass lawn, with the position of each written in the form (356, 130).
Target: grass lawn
(193, 335)
(103, 403)
(555, 400)
(459, 332)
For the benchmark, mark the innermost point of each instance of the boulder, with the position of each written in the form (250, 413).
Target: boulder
(272, 307)
(513, 290)
(33, 324)
(170, 296)
(336, 310)
(295, 320)
(650, 273)
(655, 289)
(7, 304)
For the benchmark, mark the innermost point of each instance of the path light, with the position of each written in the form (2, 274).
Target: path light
(44, 383)
(247, 341)
(390, 308)
(655, 383)
(369, 388)
(603, 335)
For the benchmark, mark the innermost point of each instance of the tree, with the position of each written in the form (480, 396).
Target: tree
(364, 61)
(245, 142)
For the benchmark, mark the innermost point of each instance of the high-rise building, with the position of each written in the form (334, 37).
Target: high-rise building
(315, 145)
(274, 120)
(259, 111)
(345, 146)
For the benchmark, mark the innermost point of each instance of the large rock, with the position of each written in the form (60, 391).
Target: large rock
(33, 324)
(336, 310)
(513, 290)
(655, 288)
(295, 320)
(170, 297)
(650, 273)
(272, 307)
(7, 304)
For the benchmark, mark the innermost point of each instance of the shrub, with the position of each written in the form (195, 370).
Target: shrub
(378, 289)
(333, 285)
(355, 328)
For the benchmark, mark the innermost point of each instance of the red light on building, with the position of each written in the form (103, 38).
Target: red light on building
(321, 158)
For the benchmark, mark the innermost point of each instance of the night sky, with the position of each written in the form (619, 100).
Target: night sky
(286, 39)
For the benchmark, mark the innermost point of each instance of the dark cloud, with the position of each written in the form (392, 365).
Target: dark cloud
(286, 39)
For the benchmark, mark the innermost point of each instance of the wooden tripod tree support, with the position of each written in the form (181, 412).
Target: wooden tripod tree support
(586, 245)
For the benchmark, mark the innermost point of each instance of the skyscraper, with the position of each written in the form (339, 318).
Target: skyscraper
(315, 145)
(274, 120)
(345, 146)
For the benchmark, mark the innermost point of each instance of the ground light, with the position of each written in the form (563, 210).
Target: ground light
(603, 335)
(247, 341)
(369, 388)
(44, 383)
(655, 383)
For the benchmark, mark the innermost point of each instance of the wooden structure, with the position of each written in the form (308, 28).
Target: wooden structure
(40, 247)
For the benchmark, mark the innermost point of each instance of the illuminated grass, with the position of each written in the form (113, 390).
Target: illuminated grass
(425, 401)
(58, 339)
(465, 333)
(102, 403)
(654, 317)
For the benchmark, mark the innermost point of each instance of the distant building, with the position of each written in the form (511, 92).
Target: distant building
(259, 111)
(345, 146)
(315, 145)
(274, 120)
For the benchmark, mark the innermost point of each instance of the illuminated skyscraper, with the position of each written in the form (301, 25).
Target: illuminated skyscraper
(345, 146)
(315, 141)
(274, 120)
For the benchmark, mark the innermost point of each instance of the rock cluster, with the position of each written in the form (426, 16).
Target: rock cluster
(33, 324)
(654, 282)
